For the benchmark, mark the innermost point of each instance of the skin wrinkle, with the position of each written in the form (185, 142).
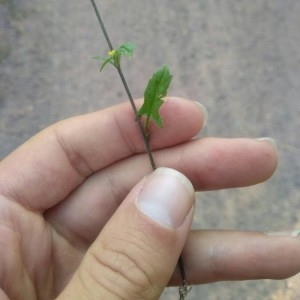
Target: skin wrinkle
(7, 250)
(12, 273)
(116, 191)
(28, 259)
(213, 263)
(84, 282)
(66, 259)
(75, 160)
(131, 271)
(74, 239)
(10, 193)
(41, 171)
(115, 178)
(107, 181)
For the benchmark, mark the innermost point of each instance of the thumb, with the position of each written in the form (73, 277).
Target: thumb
(135, 254)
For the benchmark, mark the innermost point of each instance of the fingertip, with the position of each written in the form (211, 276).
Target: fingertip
(204, 113)
(183, 105)
(270, 141)
(271, 156)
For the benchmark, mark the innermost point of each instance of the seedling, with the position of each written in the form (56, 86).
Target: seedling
(153, 99)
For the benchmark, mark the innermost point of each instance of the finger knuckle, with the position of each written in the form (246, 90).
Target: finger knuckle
(120, 273)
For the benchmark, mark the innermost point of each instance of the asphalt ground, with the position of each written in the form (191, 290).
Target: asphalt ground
(241, 59)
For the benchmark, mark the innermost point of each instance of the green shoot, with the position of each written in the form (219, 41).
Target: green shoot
(114, 56)
(156, 89)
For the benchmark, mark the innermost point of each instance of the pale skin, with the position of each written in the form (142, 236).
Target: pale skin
(69, 223)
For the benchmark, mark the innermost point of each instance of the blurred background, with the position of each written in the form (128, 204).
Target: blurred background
(241, 59)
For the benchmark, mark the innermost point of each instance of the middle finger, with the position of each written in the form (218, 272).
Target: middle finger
(210, 163)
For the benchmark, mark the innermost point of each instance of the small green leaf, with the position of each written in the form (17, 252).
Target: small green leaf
(114, 56)
(127, 49)
(156, 89)
(106, 61)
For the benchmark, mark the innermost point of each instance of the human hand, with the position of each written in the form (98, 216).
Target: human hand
(76, 221)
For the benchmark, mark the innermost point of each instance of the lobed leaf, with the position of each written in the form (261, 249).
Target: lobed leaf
(156, 89)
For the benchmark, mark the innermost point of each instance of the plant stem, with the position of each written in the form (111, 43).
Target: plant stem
(183, 289)
(102, 25)
(118, 67)
(138, 119)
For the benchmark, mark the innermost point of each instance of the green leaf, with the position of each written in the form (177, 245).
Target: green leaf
(114, 56)
(156, 89)
(106, 61)
(127, 49)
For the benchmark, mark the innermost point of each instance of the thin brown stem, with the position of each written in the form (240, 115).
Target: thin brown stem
(138, 119)
(183, 289)
(118, 67)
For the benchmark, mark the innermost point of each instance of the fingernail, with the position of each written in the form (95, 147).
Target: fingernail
(269, 140)
(167, 197)
(294, 233)
(204, 113)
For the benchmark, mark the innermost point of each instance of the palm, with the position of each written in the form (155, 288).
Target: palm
(35, 256)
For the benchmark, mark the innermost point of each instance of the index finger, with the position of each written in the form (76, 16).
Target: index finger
(49, 166)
